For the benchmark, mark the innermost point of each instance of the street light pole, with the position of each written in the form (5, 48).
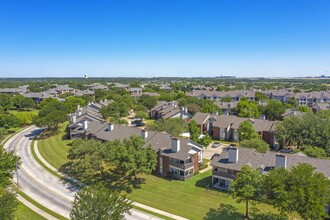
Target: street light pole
(17, 173)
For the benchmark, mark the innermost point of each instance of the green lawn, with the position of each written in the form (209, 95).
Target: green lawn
(54, 149)
(25, 213)
(188, 199)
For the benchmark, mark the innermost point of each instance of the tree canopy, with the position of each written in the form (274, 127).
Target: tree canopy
(246, 187)
(173, 126)
(98, 202)
(300, 189)
(260, 145)
(247, 109)
(274, 109)
(246, 131)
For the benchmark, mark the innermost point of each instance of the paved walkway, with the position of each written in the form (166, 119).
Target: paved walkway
(134, 203)
(35, 208)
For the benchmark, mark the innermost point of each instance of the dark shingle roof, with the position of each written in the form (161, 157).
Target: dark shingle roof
(256, 160)
(158, 140)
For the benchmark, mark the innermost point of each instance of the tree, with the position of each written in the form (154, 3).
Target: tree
(51, 114)
(8, 204)
(246, 131)
(5, 102)
(115, 109)
(274, 109)
(8, 164)
(210, 108)
(53, 119)
(304, 108)
(260, 145)
(247, 109)
(300, 189)
(315, 152)
(98, 202)
(148, 101)
(17, 101)
(173, 126)
(114, 162)
(87, 99)
(27, 103)
(141, 115)
(246, 187)
(72, 102)
(194, 130)
(9, 121)
(132, 157)
(291, 103)
(261, 97)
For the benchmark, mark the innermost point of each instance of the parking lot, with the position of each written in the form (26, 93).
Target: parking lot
(210, 151)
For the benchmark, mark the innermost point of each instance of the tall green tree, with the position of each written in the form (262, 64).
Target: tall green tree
(27, 103)
(194, 130)
(274, 109)
(148, 101)
(300, 189)
(132, 157)
(98, 202)
(246, 131)
(246, 187)
(5, 102)
(8, 202)
(173, 126)
(260, 145)
(72, 102)
(247, 109)
(17, 101)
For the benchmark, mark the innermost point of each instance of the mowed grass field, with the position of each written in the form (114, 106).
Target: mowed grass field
(55, 148)
(190, 199)
(25, 213)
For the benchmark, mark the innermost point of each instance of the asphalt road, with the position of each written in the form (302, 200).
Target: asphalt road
(42, 186)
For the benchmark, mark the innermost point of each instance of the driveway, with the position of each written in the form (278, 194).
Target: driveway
(210, 151)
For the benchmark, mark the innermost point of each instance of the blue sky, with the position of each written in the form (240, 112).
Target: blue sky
(164, 38)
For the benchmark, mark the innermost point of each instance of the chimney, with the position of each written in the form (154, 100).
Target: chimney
(78, 107)
(74, 119)
(232, 155)
(79, 113)
(85, 125)
(144, 134)
(175, 145)
(280, 161)
(186, 110)
(110, 127)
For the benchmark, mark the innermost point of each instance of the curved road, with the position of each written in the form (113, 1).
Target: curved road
(42, 186)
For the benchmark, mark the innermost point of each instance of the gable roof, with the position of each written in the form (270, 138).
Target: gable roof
(159, 141)
(249, 156)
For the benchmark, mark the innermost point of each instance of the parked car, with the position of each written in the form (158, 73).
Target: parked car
(216, 144)
(139, 124)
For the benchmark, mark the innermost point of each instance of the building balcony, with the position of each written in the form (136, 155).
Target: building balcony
(223, 174)
(182, 166)
(179, 177)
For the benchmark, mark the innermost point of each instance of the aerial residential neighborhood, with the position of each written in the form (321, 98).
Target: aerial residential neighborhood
(149, 110)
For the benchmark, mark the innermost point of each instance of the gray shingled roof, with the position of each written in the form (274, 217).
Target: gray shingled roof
(224, 121)
(200, 117)
(158, 140)
(256, 160)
